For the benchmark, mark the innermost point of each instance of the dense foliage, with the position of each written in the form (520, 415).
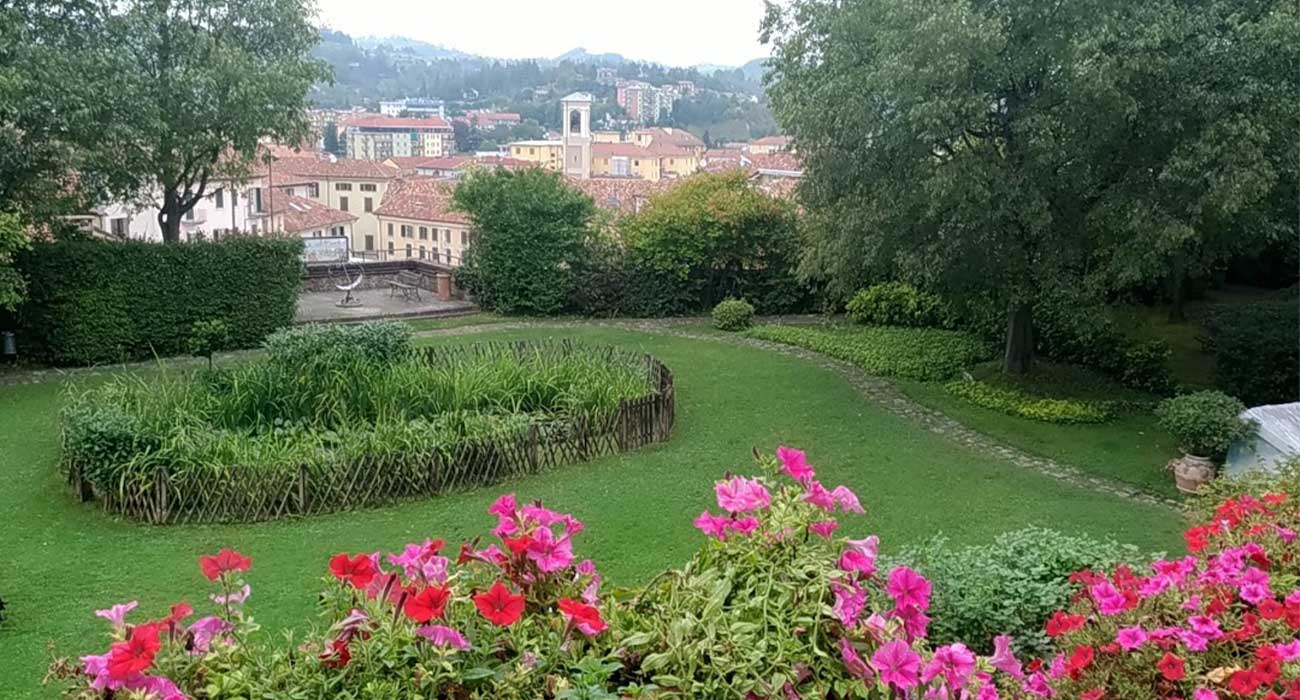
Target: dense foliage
(1017, 403)
(12, 239)
(710, 237)
(325, 399)
(1205, 423)
(528, 230)
(733, 315)
(1009, 586)
(1072, 328)
(1256, 350)
(92, 301)
(896, 304)
(985, 164)
(926, 354)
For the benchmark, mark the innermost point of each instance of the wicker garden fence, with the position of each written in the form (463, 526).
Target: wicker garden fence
(208, 497)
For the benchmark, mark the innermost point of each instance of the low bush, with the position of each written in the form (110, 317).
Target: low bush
(1080, 332)
(896, 304)
(209, 337)
(375, 342)
(1010, 586)
(92, 301)
(733, 315)
(925, 354)
(1016, 403)
(1256, 350)
(1205, 423)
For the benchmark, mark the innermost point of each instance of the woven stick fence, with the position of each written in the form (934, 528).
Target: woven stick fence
(250, 495)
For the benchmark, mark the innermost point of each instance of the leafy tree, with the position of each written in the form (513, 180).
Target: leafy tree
(711, 237)
(988, 149)
(12, 240)
(185, 89)
(527, 239)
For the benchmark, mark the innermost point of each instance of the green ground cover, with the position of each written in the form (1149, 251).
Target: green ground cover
(65, 559)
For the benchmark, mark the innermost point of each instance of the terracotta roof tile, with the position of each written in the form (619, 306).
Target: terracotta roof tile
(301, 214)
(421, 199)
(622, 195)
(787, 162)
(381, 121)
(324, 168)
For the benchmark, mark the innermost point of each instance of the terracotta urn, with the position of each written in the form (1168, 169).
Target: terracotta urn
(1191, 472)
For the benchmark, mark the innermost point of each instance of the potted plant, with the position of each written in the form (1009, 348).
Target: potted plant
(1205, 423)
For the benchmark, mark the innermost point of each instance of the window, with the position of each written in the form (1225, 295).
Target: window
(120, 227)
(424, 233)
(343, 203)
(234, 198)
(532, 151)
(464, 238)
(370, 242)
(422, 252)
(370, 204)
(343, 186)
(448, 252)
(220, 197)
(446, 235)
(408, 232)
(408, 250)
(314, 189)
(390, 230)
(575, 122)
(369, 187)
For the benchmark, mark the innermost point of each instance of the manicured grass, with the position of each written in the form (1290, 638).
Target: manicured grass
(64, 559)
(478, 319)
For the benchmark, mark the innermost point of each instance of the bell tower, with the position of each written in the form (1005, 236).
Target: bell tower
(577, 134)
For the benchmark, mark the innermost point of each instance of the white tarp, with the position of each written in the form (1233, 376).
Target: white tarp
(1276, 441)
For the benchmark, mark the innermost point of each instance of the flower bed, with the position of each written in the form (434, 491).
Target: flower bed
(773, 605)
(315, 428)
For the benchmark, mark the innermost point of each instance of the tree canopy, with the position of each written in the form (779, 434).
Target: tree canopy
(1005, 150)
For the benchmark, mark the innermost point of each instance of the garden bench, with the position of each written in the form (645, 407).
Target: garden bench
(407, 284)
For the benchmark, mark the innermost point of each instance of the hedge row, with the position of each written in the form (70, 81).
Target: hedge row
(92, 301)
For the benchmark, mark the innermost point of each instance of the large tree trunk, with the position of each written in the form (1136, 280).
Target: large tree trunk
(169, 217)
(1019, 356)
(1178, 288)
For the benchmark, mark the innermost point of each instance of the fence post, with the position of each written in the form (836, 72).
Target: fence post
(160, 495)
(620, 431)
(302, 489)
(532, 448)
(84, 492)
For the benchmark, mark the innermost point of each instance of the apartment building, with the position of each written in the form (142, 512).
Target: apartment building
(417, 222)
(413, 107)
(485, 119)
(548, 154)
(356, 187)
(227, 206)
(294, 215)
(624, 160)
(380, 137)
(769, 145)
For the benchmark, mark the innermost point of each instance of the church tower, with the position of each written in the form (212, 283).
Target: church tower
(577, 134)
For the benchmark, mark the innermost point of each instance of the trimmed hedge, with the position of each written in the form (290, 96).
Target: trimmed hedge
(924, 354)
(92, 301)
(733, 315)
(1256, 349)
(896, 304)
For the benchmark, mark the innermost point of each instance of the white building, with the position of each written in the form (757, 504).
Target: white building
(413, 107)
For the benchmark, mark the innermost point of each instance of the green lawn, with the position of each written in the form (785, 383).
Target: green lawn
(64, 559)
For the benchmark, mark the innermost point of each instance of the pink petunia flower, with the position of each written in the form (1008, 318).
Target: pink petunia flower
(741, 495)
(897, 664)
(117, 613)
(850, 600)
(795, 464)
(853, 661)
(1130, 638)
(908, 588)
(205, 630)
(824, 528)
(817, 495)
(745, 526)
(1004, 659)
(854, 561)
(847, 500)
(712, 525)
(235, 598)
(549, 552)
(443, 636)
(954, 662)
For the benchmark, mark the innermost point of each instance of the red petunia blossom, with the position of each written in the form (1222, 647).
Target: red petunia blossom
(1171, 667)
(427, 604)
(1061, 622)
(585, 617)
(337, 655)
(1080, 659)
(358, 571)
(1244, 682)
(1270, 609)
(180, 611)
(214, 565)
(133, 656)
(518, 546)
(1094, 694)
(501, 607)
(1267, 670)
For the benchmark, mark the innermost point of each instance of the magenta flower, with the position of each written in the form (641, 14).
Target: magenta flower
(824, 528)
(503, 506)
(443, 636)
(745, 526)
(236, 598)
(909, 589)
(205, 630)
(549, 552)
(1288, 652)
(954, 662)
(712, 525)
(1130, 638)
(853, 661)
(854, 561)
(915, 621)
(897, 664)
(741, 495)
(850, 600)
(795, 464)
(1204, 694)
(1004, 659)
(847, 500)
(817, 495)
(117, 613)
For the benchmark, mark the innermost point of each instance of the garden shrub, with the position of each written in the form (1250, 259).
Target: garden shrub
(925, 354)
(376, 341)
(209, 337)
(896, 304)
(92, 301)
(1017, 403)
(733, 315)
(1205, 423)
(1256, 350)
(1009, 586)
(1078, 331)
(1202, 506)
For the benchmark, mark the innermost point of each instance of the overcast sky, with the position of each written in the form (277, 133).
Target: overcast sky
(672, 32)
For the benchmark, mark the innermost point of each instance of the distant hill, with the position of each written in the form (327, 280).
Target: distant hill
(581, 55)
(754, 70)
(415, 47)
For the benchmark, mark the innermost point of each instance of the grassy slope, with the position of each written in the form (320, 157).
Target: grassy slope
(64, 559)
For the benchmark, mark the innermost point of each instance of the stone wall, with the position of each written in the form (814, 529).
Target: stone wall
(323, 278)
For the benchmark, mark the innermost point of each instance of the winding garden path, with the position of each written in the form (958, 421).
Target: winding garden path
(878, 390)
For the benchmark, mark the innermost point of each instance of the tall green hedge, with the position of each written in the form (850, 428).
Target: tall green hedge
(92, 301)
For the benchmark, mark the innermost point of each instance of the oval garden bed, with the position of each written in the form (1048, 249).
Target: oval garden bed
(338, 418)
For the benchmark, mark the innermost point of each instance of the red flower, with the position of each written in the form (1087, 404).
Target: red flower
(337, 655)
(1267, 670)
(1171, 667)
(585, 617)
(1080, 659)
(1270, 609)
(1061, 623)
(501, 607)
(427, 604)
(214, 565)
(133, 656)
(519, 545)
(1243, 682)
(358, 571)
(180, 611)
(1094, 694)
